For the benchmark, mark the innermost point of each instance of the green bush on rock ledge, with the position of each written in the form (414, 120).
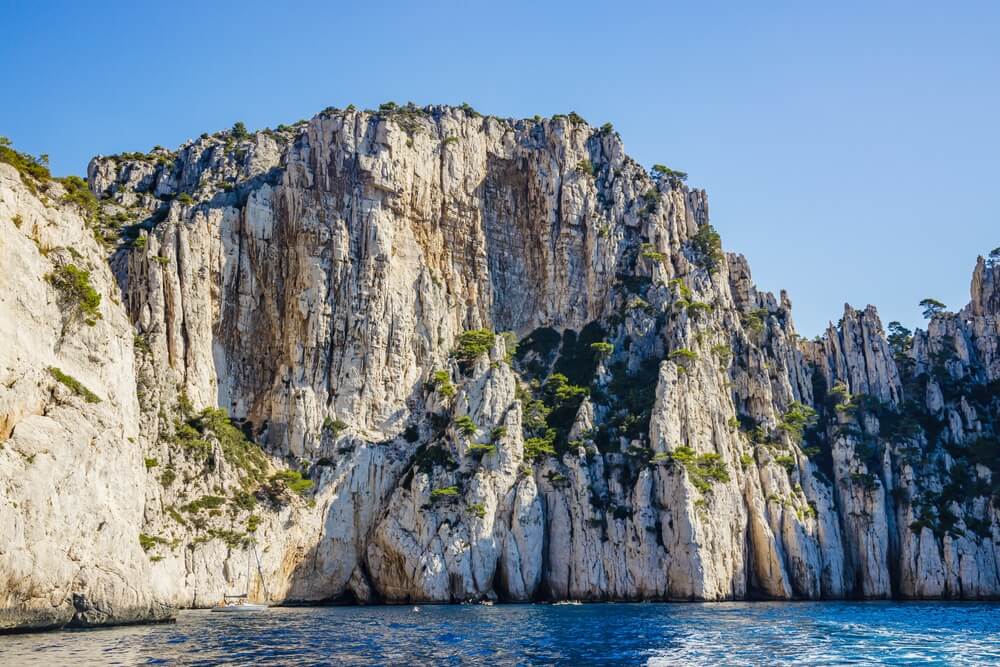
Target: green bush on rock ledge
(602, 350)
(477, 449)
(78, 297)
(292, 480)
(683, 356)
(334, 426)
(707, 247)
(466, 426)
(31, 169)
(444, 493)
(672, 175)
(703, 469)
(441, 382)
(473, 344)
(74, 385)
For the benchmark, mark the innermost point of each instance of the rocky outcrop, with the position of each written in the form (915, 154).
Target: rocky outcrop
(70, 467)
(298, 350)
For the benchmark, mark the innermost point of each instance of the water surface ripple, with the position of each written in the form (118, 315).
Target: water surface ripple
(829, 633)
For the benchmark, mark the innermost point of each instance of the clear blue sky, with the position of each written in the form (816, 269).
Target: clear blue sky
(851, 150)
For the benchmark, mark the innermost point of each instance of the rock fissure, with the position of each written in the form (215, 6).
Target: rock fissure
(650, 427)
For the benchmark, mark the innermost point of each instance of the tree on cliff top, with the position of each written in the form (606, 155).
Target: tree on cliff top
(932, 308)
(994, 258)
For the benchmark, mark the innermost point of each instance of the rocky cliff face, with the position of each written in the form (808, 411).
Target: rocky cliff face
(298, 345)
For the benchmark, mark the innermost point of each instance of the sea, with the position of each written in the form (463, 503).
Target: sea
(730, 633)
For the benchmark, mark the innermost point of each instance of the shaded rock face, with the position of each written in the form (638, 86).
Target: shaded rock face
(651, 427)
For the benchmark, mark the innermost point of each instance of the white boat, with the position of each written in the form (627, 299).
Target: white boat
(240, 604)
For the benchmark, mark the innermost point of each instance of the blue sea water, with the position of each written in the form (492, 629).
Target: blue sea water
(829, 633)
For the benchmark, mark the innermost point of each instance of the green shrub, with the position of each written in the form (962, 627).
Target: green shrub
(239, 131)
(785, 461)
(168, 477)
(176, 516)
(932, 308)
(707, 246)
(444, 493)
(477, 449)
(538, 448)
(31, 169)
(74, 385)
(441, 382)
(723, 353)
(585, 167)
(233, 539)
(638, 303)
(647, 251)
(746, 460)
(795, 421)
(79, 194)
(841, 397)
(558, 390)
(147, 542)
(253, 521)
(466, 426)
(602, 350)
(185, 199)
(206, 502)
(703, 469)
(243, 500)
(651, 198)
(681, 288)
(900, 340)
(478, 509)
(473, 344)
(672, 175)
(239, 452)
(151, 463)
(469, 111)
(334, 426)
(697, 308)
(140, 343)
(683, 356)
(292, 480)
(754, 320)
(867, 481)
(78, 297)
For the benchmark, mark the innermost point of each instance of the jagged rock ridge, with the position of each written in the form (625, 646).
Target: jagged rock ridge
(650, 428)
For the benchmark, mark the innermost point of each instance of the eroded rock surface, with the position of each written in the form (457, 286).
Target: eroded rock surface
(318, 304)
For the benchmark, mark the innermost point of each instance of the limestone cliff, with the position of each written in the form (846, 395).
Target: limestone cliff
(299, 346)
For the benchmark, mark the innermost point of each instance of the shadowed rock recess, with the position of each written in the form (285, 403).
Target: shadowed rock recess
(422, 355)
